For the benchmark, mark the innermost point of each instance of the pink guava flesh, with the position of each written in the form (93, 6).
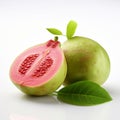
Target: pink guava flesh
(35, 66)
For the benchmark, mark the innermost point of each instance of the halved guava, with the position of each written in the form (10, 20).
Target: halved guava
(39, 70)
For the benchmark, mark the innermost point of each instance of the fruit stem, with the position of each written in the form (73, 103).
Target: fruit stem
(56, 38)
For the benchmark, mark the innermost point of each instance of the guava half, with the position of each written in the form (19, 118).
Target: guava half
(39, 70)
(86, 60)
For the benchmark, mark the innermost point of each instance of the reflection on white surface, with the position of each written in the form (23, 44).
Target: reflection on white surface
(49, 108)
(34, 108)
(21, 117)
(91, 114)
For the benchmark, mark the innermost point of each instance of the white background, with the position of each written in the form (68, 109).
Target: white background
(22, 25)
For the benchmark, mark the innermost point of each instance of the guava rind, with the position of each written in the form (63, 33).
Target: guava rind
(86, 60)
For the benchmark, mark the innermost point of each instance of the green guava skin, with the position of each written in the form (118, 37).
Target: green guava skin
(86, 60)
(50, 86)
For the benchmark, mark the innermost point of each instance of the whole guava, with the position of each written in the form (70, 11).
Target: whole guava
(86, 60)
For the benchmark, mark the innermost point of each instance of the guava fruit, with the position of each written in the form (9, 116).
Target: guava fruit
(39, 70)
(86, 60)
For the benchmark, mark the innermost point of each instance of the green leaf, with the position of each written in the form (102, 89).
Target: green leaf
(71, 28)
(54, 31)
(84, 93)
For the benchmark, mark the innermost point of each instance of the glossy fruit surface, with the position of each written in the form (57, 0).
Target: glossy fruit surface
(39, 70)
(86, 60)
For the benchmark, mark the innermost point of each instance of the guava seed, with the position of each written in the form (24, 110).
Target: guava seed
(26, 64)
(43, 67)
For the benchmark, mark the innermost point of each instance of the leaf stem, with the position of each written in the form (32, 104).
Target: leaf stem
(54, 93)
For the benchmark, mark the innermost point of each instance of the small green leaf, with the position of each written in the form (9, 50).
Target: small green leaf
(84, 93)
(54, 31)
(71, 28)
